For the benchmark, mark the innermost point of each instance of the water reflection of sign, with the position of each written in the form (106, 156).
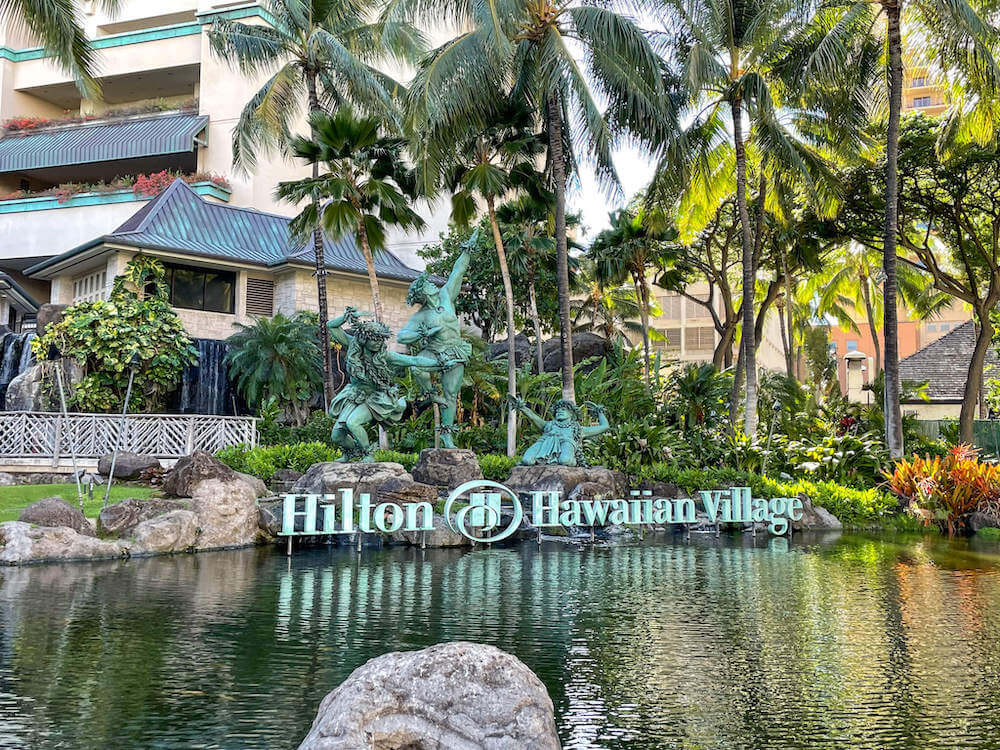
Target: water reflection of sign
(495, 512)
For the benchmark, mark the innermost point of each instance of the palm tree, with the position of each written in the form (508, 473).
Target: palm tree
(612, 311)
(57, 25)
(629, 249)
(491, 163)
(276, 359)
(538, 45)
(733, 60)
(844, 48)
(322, 50)
(366, 188)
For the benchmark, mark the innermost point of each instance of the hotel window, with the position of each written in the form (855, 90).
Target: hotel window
(852, 346)
(932, 327)
(670, 305)
(918, 81)
(90, 288)
(673, 340)
(202, 289)
(921, 101)
(699, 339)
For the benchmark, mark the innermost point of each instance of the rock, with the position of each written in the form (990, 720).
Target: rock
(447, 468)
(523, 349)
(661, 489)
(330, 477)
(26, 392)
(284, 479)
(227, 513)
(49, 313)
(182, 479)
(983, 519)
(815, 517)
(441, 536)
(173, 531)
(585, 346)
(401, 491)
(119, 519)
(270, 512)
(21, 543)
(54, 511)
(7, 480)
(127, 465)
(450, 696)
(564, 479)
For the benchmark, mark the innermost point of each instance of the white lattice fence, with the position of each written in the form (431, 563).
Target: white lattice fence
(55, 436)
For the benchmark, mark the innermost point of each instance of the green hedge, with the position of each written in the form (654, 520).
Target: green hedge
(852, 506)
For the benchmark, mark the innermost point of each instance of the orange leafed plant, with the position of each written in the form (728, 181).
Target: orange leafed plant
(951, 488)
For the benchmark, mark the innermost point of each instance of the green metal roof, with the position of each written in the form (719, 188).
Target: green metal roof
(88, 142)
(179, 220)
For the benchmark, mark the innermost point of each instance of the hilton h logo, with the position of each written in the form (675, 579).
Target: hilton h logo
(483, 513)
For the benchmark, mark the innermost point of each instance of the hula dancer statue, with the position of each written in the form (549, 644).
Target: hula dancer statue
(433, 331)
(371, 393)
(562, 438)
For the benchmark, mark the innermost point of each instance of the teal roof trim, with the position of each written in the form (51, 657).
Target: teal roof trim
(88, 142)
(179, 221)
(125, 195)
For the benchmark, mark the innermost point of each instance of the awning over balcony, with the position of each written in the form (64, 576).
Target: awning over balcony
(90, 142)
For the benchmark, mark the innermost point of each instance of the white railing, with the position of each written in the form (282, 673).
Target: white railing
(47, 435)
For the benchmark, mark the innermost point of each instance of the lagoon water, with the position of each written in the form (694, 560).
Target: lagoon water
(843, 642)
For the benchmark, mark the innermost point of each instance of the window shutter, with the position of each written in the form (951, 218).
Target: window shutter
(260, 297)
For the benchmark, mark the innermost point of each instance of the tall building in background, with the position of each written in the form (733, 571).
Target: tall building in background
(920, 94)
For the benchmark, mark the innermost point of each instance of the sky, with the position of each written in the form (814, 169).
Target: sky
(635, 169)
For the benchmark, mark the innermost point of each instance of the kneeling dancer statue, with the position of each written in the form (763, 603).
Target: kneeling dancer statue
(433, 331)
(562, 438)
(371, 393)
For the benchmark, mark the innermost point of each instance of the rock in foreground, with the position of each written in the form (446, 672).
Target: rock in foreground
(227, 513)
(23, 543)
(442, 536)
(120, 518)
(174, 531)
(447, 697)
(331, 476)
(54, 511)
(815, 518)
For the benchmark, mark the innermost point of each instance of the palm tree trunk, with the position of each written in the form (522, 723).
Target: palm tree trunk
(642, 293)
(324, 310)
(789, 353)
(749, 349)
(535, 323)
(366, 251)
(508, 293)
(562, 251)
(866, 292)
(893, 418)
(785, 344)
(974, 378)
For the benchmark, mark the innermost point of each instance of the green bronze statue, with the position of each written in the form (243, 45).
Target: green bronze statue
(562, 438)
(371, 393)
(433, 332)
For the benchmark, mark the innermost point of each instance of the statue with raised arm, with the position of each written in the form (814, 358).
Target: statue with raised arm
(433, 331)
(371, 393)
(562, 438)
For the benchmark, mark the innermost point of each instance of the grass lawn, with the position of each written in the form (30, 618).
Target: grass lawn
(14, 499)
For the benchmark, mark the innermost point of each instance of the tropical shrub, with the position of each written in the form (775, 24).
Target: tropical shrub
(627, 446)
(408, 460)
(698, 395)
(846, 459)
(496, 467)
(263, 460)
(134, 330)
(950, 488)
(277, 360)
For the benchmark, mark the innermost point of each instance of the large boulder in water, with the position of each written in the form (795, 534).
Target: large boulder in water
(441, 536)
(174, 531)
(446, 697)
(25, 392)
(127, 465)
(815, 517)
(332, 476)
(597, 481)
(585, 346)
(54, 511)
(23, 543)
(227, 513)
(201, 466)
(447, 468)
(119, 519)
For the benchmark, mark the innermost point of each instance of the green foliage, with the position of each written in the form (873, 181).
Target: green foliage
(853, 507)
(989, 532)
(496, 467)
(408, 460)
(263, 460)
(628, 446)
(134, 326)
(851, 459)
(276, 360)
(16, 498)
(699, 395)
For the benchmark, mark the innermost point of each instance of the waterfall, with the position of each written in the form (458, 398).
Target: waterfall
(15, 358)
(205, 387)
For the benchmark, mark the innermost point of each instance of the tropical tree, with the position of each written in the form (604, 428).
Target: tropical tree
(322, 51)
(846, 47)
(496, 161)
(538, 45)
(612, 311)
(632, 249)
(58, 26)
(276, 360)
(367, 186)
(732, 55)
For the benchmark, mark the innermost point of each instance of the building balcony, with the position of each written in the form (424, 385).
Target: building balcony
(40, 227)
